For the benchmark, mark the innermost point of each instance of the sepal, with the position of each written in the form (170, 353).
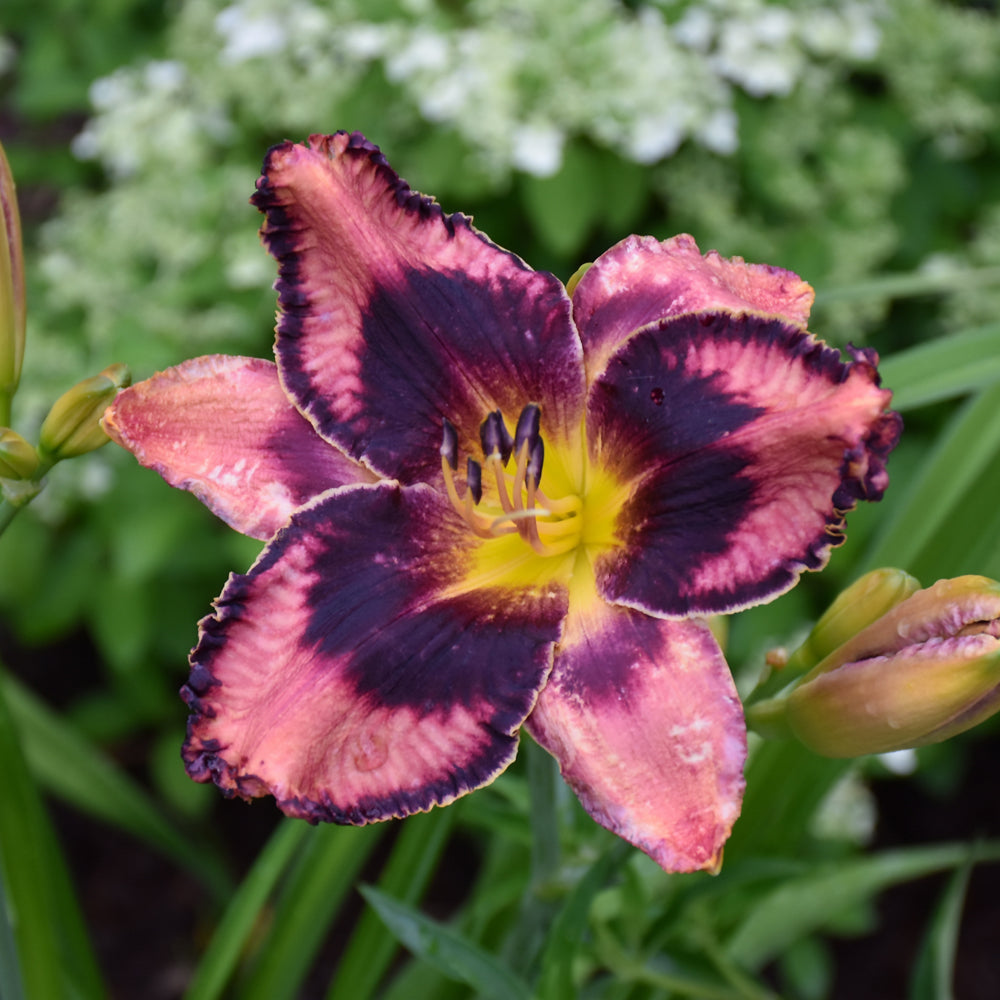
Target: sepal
(18, 459)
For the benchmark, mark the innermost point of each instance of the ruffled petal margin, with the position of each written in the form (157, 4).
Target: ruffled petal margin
(746, 441)
(339, 675)
(394, 315)
(641, 281)
(644, 718)
(223, 428)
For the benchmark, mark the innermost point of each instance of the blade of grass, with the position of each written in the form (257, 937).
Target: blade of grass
(943, 368)
(564, 938)
(543, 782)
(968, 444)
(785, 785)
(11, 984)
(70, 767)
(803, 905)
(446, 950)
(935, 967)
(964, 544)
(53, 954)
(910, 284)
(405, 876)
(325, 871)
(245, 911)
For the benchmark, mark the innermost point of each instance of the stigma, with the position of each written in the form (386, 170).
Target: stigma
(502, 494)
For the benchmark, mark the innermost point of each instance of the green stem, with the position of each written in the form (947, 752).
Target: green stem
(543, 781)
(769, 719)
(17, 494)
(7, 513)
(627, 969)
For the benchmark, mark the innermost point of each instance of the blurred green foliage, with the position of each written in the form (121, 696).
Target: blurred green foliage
(845, 142)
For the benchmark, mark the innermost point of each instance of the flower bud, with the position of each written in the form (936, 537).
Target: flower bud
(576, 276)
(927, 669)
(862, 603)
(73, 425)
(12, 298)
(18, 459)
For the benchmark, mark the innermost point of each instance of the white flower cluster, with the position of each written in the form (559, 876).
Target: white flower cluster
(514, 78)
(7, 55)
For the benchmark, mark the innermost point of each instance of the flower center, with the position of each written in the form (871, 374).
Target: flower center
(515, 503)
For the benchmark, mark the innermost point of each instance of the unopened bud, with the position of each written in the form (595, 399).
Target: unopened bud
(73, 425)
(577, 275)
(18, 459)
(12, 297)
(862, 603)
(926, 670)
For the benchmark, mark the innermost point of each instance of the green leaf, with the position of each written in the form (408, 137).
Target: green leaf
(943, 368)
(310, 901)
(43, 925)
(447, 950)
(786, 784)
(245, 911)
(564, 208)
(803, 905)
(69, 766)
(410, 866)
(968, 444)
(567, 930)
(910, 284)
(935, 967)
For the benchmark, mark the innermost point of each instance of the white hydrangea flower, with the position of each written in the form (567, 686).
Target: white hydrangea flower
(8, 55)
(537, 149)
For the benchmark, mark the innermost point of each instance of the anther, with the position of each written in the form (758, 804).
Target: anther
(490, 436)
(528, 424)
(536, 456)
(506, 441)
(474, 479)
(449, 444)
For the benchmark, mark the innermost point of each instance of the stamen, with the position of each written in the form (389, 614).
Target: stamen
(520, 499)
(493, 461)
(449, 444)
(535, 459)
(506, 441)
(491, 436)
(515, 516)
(527, 427)
(474, 479)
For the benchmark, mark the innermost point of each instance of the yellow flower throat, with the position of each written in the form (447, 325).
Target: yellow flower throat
(531, 536)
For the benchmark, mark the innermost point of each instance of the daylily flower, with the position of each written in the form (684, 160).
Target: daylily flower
(666, 443)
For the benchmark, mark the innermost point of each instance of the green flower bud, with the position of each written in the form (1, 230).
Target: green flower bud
(73, 425)
(12, 298)
(18, 459)
(862, 603)
(926, 670)
(577, 275)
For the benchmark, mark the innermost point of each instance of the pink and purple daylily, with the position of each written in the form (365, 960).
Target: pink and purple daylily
(663, 442)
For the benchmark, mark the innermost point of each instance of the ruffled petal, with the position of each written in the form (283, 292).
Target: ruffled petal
(395, 315)
(223, 428)
(349, 677)
(644, 719)
(641, 281)
(744, 442)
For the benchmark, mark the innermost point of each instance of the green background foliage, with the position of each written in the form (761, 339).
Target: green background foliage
(858, 145)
